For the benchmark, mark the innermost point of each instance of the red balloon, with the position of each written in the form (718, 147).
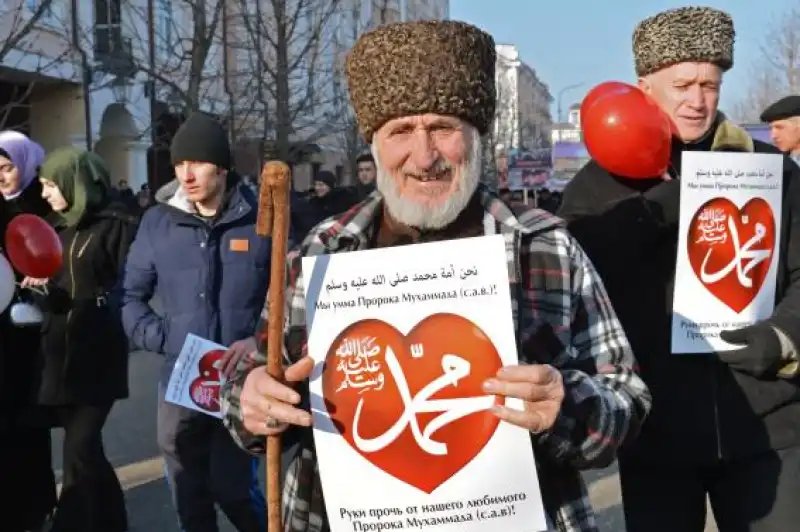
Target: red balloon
(598, 91)
(627, 134)
(33, 247)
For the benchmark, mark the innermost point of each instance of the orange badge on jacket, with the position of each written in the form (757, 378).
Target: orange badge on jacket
(240, 244)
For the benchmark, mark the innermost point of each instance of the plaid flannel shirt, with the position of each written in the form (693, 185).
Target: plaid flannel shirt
(562, 316)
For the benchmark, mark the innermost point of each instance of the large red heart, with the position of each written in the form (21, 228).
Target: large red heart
(363, 384)
(731, 249)
(204, 389)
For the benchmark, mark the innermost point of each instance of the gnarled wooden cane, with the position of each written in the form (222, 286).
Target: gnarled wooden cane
(273, 220)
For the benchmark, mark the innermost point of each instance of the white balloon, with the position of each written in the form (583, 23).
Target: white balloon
(7, 284)
(23, 314)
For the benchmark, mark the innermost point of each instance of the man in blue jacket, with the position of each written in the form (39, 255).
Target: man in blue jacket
(198, 252)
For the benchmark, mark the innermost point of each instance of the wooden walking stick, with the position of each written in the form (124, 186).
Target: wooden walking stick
(273, 220)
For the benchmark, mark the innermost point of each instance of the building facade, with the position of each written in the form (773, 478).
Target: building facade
(98, 75)
(70, 88)
(569, 131)
(522, 119)
(119, 76)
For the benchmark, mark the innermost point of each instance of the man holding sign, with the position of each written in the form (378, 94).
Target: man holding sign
(424, 93)
(702, 265)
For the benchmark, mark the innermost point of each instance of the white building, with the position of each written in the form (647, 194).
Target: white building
(83, 77)
(569, 131)
(522, 118)
(41, 79)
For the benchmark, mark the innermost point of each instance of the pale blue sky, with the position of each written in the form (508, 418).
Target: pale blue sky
(589, 41)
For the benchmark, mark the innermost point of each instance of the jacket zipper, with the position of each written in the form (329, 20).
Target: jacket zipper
(72, 298)
(715, 402)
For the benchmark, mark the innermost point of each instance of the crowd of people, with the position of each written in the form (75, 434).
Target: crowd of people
(70, 369)
(591, 290)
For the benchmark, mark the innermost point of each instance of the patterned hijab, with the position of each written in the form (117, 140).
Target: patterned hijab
(25, 154)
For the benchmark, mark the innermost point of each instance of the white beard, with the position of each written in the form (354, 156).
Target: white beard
(426, 216)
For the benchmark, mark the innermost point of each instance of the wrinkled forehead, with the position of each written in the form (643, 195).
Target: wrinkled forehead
(785, 123)
(689, 72)
(422, 121)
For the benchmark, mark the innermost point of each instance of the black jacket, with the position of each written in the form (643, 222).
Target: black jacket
(19, 345)
(310, 211)
(702, 410)
(84, 354)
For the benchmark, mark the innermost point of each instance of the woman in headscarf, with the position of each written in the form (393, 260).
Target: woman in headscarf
(84, 348)
(25, 451)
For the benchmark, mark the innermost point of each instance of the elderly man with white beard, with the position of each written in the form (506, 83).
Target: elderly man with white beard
(424, 93)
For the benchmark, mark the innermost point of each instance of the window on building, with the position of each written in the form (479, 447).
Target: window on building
(339, 173)
(315, 169)
(164, 25)
(107, 27)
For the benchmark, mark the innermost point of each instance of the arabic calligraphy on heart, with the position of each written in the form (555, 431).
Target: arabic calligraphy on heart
(412, 404)
(204, 389)
(731, 249)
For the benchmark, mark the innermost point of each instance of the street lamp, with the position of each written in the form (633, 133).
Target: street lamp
(121, 88)
(561, 93)
(174, 102)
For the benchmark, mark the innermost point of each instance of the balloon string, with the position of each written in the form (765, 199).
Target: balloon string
(41, 291)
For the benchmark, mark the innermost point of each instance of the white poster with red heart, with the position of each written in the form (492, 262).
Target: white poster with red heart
(730, 223)
(196, 377)
(403, 338)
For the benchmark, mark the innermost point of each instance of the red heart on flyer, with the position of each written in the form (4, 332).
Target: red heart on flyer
(413, 404)
(204, 389)
(730, 249)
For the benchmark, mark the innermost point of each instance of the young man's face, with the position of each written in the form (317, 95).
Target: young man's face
(200, 181)
(366, 172)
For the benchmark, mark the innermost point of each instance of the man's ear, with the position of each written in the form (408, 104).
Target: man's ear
(644, 84)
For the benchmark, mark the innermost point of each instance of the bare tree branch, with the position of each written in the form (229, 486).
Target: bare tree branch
(349, 27)
(189, 42)
(777, 71)
(293, 54)
(23, 26)
(202, 61)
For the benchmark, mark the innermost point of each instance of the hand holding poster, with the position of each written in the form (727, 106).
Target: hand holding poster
(196, 377)
(404, 433)
(730, 222)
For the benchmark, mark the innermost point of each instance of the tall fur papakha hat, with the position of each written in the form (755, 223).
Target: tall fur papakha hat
(696, 34)
(409, 68)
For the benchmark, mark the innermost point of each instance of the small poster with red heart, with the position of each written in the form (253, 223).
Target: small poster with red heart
(403, 339)
(728, 246)
(196, 377)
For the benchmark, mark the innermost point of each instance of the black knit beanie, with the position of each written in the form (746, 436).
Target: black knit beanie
(201, 139)
(327, 177)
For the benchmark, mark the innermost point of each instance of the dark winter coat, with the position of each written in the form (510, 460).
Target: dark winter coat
(19, 345)
(84, 356)
(211, 276)
(308, 212)
(703, 411)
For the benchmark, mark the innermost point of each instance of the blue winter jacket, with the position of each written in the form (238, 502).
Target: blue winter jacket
(211, 278)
